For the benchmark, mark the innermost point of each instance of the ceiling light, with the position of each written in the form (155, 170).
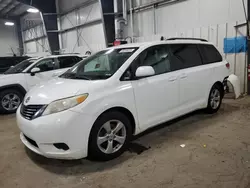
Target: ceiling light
(33, 10)
(9, 23)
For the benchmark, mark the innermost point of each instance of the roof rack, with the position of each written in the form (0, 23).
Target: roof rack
(204, 40)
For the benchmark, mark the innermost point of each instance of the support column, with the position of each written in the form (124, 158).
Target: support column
(107, 7)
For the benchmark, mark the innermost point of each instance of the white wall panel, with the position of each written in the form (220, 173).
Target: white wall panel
(30, 47)
(85, 37)
(187, 15)
(33, 33)
(176, 17)
(89, 42)
(40, 45)
(40, 30)
(89, 13)
(69, 40)
(204, 32)
(144, 23)
(8, 40)
(65, 5)
(69, 20)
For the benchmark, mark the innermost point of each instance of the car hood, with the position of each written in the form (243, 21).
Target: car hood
(59, 88)
(7, 79)
(6, 76)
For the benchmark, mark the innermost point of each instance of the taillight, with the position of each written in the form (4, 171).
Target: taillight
(228, 65)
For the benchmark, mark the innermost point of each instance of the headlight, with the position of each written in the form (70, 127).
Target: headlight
(64, 104)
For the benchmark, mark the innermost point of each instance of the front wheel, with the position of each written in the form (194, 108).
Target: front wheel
(109, 136)
(215, 99)
(10, 99)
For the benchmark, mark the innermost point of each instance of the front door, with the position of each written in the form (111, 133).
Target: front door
(156, 97)
(48, 67)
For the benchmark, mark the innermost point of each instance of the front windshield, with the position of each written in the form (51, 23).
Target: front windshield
(20, 67)
(102, 65)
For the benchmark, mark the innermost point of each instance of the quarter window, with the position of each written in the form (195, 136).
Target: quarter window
(209, 54)
(184, 56)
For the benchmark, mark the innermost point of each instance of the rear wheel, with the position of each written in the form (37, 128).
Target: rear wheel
(109, 136)
(215, 99)
(10, 99)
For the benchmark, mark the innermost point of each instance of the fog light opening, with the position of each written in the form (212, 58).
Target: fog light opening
(62, 146)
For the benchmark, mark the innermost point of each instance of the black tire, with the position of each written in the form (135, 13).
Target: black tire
(94, 152)
(210, 108)
(6, 92)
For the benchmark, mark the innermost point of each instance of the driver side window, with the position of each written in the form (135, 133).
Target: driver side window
(46, 65)
(156, 57)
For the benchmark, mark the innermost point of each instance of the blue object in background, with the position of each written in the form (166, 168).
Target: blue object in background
(235, 45)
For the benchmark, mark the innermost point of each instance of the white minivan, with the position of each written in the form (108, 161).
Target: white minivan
(16, 81)
(95, 108)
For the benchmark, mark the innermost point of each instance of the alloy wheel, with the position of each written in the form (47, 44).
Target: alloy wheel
(10, 102)
(215, 98)
(111, 136)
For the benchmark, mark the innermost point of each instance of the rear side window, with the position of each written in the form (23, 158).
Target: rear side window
(209, 54)
(184, 56)
(68, 61)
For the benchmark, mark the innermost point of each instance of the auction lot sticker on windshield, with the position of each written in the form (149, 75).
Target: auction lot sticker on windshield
(127, 50)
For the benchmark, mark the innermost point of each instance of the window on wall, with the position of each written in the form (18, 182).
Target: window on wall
(47, 65)
(157, 57)
(184, 56)
(209, 54)
(68, 61)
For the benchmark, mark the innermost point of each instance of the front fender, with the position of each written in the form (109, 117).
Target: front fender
(235, 82)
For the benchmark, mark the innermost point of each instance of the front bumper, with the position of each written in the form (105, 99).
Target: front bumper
(67, 127)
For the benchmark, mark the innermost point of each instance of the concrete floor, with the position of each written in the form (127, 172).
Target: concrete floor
(217, 154)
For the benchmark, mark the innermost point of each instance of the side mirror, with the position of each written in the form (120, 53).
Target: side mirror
(144, 71)
(34, 71)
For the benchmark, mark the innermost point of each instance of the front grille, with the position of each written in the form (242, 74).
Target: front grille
(29, 111)
(32, 142)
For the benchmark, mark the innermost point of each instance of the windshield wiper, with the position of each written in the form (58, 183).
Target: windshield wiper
(74, 76)
(82, 77)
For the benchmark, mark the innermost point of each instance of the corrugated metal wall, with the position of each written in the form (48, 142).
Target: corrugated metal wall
(82, 27)
(193, 18)
(34, 35)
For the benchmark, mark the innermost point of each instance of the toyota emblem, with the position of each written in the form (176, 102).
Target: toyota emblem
(27, 100)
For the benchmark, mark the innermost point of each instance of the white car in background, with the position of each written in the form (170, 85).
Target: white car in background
(95, 108)
(16, 81)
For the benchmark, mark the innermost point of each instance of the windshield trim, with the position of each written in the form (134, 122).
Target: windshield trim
(23, 71)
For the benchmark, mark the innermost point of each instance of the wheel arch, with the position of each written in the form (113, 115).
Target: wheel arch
(220, 84)
(126, 112)
(14, 86)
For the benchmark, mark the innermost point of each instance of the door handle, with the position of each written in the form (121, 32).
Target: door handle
(172, 79)
(183, 76)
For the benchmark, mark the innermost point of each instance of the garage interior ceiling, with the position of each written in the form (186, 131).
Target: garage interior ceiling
(12, 8)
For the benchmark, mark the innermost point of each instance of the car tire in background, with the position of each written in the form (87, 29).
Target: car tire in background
(110, 136)
(215, 99)
(10, 99)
